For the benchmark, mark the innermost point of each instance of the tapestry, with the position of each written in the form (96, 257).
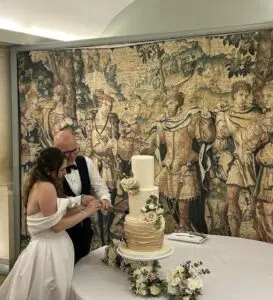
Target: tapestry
(201, 106)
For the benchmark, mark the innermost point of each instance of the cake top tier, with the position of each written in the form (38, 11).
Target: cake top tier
(143, 170)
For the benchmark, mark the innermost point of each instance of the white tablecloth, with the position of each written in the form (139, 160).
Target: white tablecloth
(240, 270)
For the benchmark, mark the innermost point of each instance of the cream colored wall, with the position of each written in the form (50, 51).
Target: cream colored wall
(6, 199)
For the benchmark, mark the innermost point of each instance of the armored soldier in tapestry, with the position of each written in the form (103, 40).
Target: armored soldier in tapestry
(104, 131)
(201, 106)
(180, 177)
(240, 122)
(264, 185)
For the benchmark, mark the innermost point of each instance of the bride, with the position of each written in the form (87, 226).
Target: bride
(44, 269)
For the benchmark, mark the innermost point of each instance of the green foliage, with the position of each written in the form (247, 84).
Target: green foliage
(108, 69)
(188, 60)
(83, 97)
(150, 52)
(240, 66)
(246, 42)
(28, 72)
(243, 60)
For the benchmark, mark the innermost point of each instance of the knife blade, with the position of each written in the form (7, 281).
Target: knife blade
(117, 210)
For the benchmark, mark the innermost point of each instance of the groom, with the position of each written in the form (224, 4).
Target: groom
(82, 178)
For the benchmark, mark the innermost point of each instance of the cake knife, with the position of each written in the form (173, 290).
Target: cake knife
(117, 210)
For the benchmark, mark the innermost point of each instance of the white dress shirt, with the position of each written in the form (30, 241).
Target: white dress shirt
(98, 185)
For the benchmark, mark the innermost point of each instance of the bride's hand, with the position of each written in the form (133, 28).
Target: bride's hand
(92, 207)
(86, 199)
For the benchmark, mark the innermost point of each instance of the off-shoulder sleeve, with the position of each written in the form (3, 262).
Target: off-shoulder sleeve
(74, 201)
(68, 202)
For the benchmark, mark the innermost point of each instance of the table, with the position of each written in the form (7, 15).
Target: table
(241, 269)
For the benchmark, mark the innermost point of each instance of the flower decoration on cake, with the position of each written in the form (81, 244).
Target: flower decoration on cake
(150, 216)
(130, 185)
(153, 211)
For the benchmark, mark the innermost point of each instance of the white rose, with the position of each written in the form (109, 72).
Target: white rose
(186, 298)
(141, 279)
(192, 271)
(155, 290)
(180, 269)
(170, 275)
(150, 216)
(151, 206)
(188, 291)
(148, 268)
(117, 242)
(129, 184)
(132, 183)
(143, 292)
(199, 282)
(112, 254)
(176, 281)
(143, 286)
(137, 272)
(144, 209)
(134, 265)
(192, 284)
(171, 290)
(159, 211)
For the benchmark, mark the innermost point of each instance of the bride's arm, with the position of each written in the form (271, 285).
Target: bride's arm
(48, 206)
(75, 210)
(78, 204)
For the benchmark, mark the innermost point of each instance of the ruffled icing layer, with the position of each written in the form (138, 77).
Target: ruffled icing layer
(142, 236)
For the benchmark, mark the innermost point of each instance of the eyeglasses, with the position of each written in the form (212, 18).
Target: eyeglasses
(74, 151)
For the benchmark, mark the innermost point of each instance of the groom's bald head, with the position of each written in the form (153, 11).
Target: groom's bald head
(65, 140)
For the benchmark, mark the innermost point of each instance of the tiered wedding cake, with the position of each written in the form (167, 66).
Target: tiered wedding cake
(144, 225)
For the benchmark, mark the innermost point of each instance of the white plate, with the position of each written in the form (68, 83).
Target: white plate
(187, 238)
(165, 252)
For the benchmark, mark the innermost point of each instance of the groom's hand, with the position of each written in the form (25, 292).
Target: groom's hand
(105, 204)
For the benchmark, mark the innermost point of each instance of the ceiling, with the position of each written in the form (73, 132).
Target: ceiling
(35, 22)
(30, 22)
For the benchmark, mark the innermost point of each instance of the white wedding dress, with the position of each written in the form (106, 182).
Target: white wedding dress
(44, 269)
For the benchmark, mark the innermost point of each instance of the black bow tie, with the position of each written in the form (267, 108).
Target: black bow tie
(69, 168)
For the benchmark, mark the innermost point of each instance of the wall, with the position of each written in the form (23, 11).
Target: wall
(6, 199)
(124, 101)
(158, 19)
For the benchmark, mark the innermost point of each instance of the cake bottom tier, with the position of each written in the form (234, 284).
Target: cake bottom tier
(142, 236)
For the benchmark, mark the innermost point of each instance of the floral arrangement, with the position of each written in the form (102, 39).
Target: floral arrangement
(153, 211)
(111, 257)
(145, 280)
(184, 282)
(130, 185)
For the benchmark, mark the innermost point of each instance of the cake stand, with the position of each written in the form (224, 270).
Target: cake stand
(164, 252)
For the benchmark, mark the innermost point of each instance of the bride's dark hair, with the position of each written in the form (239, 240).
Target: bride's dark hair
(46, 169)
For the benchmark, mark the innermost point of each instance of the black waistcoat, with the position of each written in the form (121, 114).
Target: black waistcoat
(81, 234)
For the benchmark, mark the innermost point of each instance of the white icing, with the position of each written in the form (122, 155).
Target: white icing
(143, 236)
(143, 170)
(137, 201)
